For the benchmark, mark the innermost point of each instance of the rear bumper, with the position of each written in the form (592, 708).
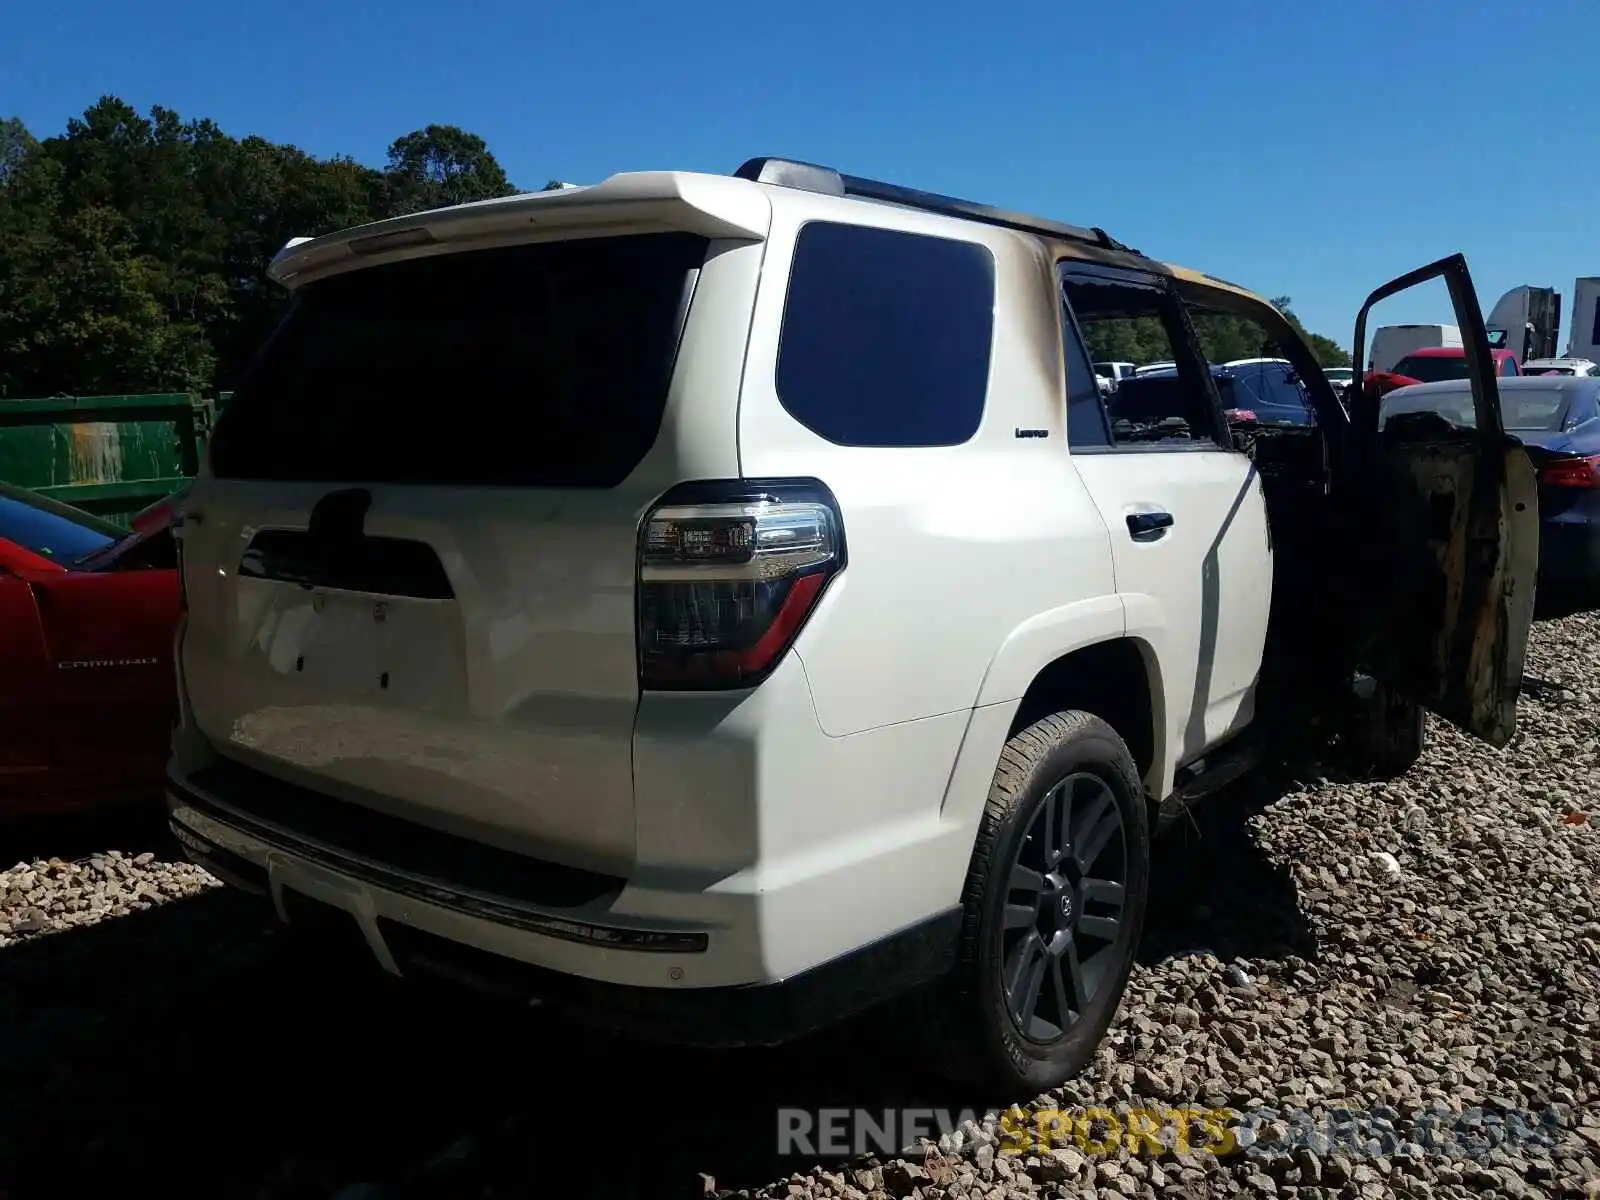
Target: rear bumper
(410, 934)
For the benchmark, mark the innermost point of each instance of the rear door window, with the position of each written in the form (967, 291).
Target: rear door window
(544, 366)
(886, 336)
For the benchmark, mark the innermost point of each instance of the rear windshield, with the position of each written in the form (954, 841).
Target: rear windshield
(1528, 410)
(538, 366)
(49, 534)
(1427, 369)
(1533, 410)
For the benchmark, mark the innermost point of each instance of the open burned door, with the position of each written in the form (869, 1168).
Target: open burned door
(1446, 534)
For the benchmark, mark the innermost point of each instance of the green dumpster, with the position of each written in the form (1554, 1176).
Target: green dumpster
(110, 455)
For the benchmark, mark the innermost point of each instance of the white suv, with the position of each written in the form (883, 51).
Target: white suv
(716, 604)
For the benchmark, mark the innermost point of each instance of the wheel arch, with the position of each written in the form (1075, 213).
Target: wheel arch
(1077, 656)
(1117, 680)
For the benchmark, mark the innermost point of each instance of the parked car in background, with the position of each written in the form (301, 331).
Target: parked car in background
(1391, 343)
(1439, 363)
(1116, 372)
(1557, 417)
(1340, 377)
(1560, 366)
(1436, 364)
(88, 611)
(1258, 390)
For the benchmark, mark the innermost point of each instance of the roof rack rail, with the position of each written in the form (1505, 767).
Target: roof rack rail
(809, 177)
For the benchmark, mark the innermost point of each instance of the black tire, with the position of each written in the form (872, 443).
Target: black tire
(966, 1021)
(1386, 735)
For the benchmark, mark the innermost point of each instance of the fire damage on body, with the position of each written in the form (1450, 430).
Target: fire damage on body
(1403, 561)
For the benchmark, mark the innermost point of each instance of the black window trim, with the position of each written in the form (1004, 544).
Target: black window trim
(994, 329)
(1068, 268)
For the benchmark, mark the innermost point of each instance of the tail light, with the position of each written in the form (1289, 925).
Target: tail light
(728, 574)
(1571, 472)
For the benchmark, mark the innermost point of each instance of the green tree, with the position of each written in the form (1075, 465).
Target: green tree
(442, 165)
(134, 246)
(1329, 353)
(145, 238)
(16, 143)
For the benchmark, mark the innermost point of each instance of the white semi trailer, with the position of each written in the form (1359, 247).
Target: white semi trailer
(1585, 339)
(1391, 343)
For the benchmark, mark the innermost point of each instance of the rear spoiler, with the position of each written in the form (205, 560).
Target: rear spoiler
(636, 202)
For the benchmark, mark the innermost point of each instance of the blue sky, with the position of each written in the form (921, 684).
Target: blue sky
(1302, 148)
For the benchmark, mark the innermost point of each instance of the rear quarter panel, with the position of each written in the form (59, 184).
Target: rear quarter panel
(951, 549)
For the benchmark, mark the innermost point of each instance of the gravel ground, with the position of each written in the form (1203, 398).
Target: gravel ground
(1326, 964)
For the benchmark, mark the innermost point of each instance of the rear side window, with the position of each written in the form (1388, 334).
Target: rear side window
(886, 336)
(538, 366)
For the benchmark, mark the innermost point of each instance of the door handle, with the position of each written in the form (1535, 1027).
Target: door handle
(1149, 526)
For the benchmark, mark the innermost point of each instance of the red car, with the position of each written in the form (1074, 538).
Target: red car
(88, 612)
(1434, 364)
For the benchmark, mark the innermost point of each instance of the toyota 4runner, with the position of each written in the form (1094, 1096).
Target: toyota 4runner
(714, 605)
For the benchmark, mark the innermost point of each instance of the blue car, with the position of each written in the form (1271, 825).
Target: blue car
(1557, 417)
(1266, 391)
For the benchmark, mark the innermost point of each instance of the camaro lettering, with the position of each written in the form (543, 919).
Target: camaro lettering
(76, 663)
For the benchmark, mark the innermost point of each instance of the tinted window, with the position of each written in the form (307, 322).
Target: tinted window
(886, 336)
(1507, 367)
(1428, 369)
(50, 534)
(543, 365)
(1286, 397)
(1086, 413)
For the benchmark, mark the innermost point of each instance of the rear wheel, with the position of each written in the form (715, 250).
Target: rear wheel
(1054, 902)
